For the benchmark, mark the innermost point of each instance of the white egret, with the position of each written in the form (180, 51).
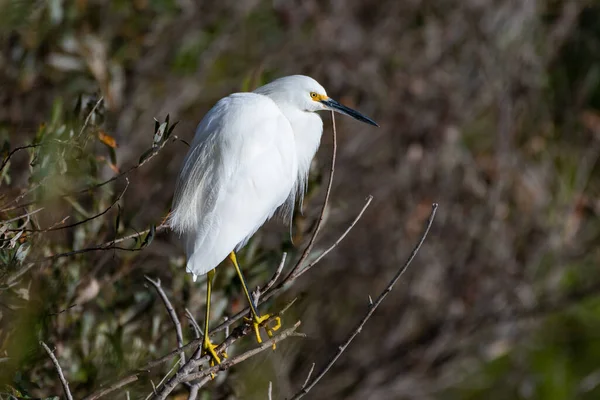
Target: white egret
(250, 157)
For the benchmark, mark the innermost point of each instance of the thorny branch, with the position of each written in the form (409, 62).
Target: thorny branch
(61, 376)
(372, 307)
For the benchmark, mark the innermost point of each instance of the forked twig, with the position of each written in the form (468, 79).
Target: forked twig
(372, 307)
(334, 245)
(172, 314)
(61, 376)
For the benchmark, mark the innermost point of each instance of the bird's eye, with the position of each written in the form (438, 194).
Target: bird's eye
(313, 95)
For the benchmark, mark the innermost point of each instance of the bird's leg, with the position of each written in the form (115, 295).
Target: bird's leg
(207, 345)
(257, 320)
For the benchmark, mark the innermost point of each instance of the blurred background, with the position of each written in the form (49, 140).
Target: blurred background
(490, 108)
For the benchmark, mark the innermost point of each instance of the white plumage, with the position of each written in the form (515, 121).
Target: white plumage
(250, 156)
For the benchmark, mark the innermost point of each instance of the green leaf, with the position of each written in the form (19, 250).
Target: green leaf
(118, 221)
(159, 134)
(171, 130)
(149, 237)
(145, 155)
(113, 155)
(22, 252)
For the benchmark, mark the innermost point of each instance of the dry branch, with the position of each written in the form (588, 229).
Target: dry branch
(61, 376)
(372, 307)
(172, 314)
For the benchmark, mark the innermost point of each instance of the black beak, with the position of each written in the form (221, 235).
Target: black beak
(335, 106)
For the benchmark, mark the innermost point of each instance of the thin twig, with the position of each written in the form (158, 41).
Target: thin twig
(305, 389)
(334, 245)
(173, 316)
(195, 388)
(56, 228)
(277, 273)
(89, 116)
(105, 246)
(115, 386)
(63, 381)
(7, 158)
(27, 214)
(312, 368)
(270, 392)
(194, 323)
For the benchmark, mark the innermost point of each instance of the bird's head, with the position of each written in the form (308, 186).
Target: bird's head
(306, 94)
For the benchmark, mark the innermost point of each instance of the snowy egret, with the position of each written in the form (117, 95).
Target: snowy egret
(249, 158)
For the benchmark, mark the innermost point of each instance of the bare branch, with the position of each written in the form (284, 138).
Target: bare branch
(63, 381)
(277, 274)
(27, 215)
(115, 386)
(194, 323)
(105, 246)
(7, 158)
(187, 374)
(312, 368)
(305, 389)
(334, 245)
(226, 364)
(173, 316)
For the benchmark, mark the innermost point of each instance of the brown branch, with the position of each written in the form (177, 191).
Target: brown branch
(372, 308)
(173, 316)
(63, 381)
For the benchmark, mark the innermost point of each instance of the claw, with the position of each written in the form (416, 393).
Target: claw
(257, 322)
(210, 349)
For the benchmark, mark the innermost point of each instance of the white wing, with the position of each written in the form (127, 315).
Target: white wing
(240, 167)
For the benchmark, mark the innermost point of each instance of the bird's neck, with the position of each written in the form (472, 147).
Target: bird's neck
(308, 128)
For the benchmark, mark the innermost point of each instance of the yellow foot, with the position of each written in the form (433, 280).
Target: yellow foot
(257, 322)
(210, 349)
